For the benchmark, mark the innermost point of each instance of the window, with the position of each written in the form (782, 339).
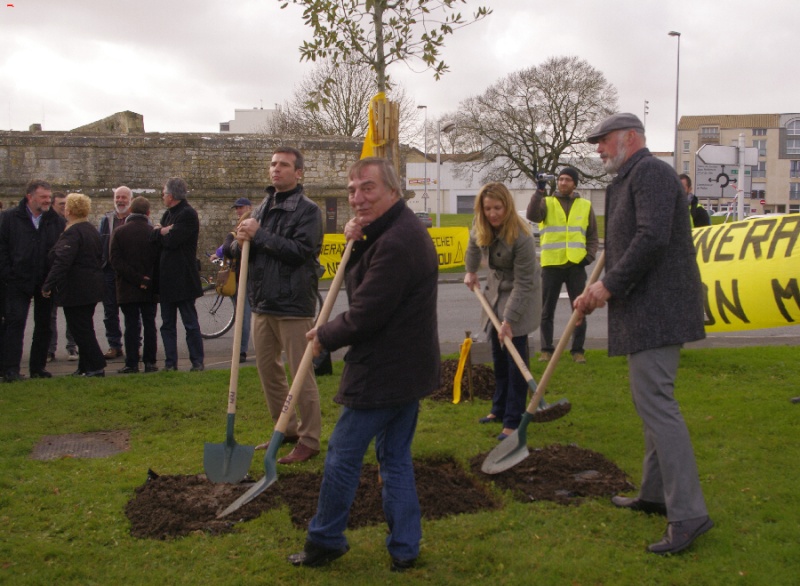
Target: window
(759, 132)
(758, 194)
(224, 126)
(761, 145)
(793, 146)
(794, 191)
(760, 170)
(794, 209)
(709, 132)
(794, 169)
(686, 144)
(686, 167)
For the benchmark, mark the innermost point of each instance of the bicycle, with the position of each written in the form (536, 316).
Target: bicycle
(215, 312)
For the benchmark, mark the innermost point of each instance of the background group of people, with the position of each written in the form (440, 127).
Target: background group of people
(50, 255)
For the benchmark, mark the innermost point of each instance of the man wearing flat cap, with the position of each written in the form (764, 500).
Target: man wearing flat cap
(569, 243)
(655, 304)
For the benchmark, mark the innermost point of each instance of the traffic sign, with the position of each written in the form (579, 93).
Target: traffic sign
(716, 154)
(718, 181)
(763, 202)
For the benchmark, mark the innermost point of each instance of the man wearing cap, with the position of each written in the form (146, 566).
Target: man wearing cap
(655, 304)
(568, 239)
(242, 207)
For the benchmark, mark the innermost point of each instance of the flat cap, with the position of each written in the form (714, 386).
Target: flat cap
(618, 121)
(241, 202)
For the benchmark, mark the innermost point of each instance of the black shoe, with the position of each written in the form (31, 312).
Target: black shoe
(128, 370)
(402, 565)
(316, 555)
(167, 368)
(150, 367)
(242, 357)
(79, 372)
(197, 368)
(41, 374)
(98, 373)
(12, 377)
(680, 535)
(637, 504)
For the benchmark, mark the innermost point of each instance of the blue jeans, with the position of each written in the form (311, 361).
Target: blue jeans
(511, 389)
(248, 318)
(393, 429)
(169, 332)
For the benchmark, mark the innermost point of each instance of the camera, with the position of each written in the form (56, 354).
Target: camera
(545, 177)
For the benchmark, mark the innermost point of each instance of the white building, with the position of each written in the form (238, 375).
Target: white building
(249, 121)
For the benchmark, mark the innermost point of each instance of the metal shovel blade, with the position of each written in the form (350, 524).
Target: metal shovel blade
(228, 462)
(270, 475)
(511, 451)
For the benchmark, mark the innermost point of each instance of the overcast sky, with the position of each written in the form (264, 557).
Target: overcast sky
(186, 65)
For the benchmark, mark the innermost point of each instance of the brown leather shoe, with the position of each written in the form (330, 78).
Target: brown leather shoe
(300, 453)
(113, 353)
(291, 439)
(680, 535)
(637, 504)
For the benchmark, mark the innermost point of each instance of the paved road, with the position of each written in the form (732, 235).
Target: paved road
(458, 312)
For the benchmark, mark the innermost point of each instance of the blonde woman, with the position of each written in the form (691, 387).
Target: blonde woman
(76, 281)
(513, 288)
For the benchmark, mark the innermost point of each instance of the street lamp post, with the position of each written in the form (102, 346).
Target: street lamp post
(677, 93)
(425, 150)
(448, 126)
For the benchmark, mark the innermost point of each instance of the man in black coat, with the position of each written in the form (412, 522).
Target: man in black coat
(135, 261)
(179, 278)
(27, 233)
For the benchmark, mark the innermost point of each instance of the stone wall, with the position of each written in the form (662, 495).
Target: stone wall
(217, 167)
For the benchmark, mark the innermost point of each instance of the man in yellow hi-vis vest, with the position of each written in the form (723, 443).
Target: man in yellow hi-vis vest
(568, 233)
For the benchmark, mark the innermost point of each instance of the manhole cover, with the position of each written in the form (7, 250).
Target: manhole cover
(98, 444)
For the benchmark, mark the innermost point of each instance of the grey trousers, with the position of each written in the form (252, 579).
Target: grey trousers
(669, 471)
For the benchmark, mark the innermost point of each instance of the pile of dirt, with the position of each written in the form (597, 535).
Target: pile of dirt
(174, 506)
(482, 382)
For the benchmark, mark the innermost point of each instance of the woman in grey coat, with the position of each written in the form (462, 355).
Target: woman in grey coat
(513, 289)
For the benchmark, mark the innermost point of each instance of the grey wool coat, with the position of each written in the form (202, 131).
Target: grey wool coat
(651, 268)
(514, 285)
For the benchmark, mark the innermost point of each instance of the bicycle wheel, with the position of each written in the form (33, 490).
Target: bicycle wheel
(215, 313)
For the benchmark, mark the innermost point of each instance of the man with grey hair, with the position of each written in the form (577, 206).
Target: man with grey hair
(179, 277)
(110, 222)
(655, 304)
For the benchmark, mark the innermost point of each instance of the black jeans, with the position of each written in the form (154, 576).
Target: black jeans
(140, 316)
(17, 305)
(80, 321)
(552, 278)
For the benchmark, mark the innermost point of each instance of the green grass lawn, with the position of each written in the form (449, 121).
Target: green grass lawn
(63, 522)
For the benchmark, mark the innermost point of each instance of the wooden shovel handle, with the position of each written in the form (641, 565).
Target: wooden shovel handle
(241, 293)
(305, 363)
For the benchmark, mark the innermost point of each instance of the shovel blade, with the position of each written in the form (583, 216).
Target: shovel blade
(509, 452)
(227, 462)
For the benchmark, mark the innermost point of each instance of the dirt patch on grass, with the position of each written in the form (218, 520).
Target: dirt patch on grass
(173, 506)
(483, 382)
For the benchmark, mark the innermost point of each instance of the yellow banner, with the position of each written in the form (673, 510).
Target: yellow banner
(451, 244)
(750, 272)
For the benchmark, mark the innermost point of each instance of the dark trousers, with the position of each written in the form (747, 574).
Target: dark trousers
(511, 388)
(80, 321)
(111, 310)
(140, 316)
(54, 333)
(17, 305)
(169, 332)
(552, 278)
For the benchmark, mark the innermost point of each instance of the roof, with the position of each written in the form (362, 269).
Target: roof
(730, 121)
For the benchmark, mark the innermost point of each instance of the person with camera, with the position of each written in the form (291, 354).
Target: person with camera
(569, 242)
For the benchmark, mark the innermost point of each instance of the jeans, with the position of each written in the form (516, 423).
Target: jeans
(169, 332)
(138, 315)
(552, 278)
(511, 388)
(17, 305)
(111, 310)
(248, 316)
(393, 429)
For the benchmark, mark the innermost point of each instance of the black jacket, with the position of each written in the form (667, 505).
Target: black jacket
(75, 277)
(178, 275)
(24, 261)
(284, 270)
(133, 257)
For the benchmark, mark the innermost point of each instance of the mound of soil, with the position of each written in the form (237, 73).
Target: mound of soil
(482, 382)
(173, 506)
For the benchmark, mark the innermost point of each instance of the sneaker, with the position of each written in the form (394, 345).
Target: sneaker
(72, 354)
(579, 358)
(113, 353)
(545, 356)
(51, 356)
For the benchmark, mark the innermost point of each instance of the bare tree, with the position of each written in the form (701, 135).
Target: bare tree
(345, 111)
(536, 120)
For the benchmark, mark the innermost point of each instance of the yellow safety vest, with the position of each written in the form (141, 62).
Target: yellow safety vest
(563, 239)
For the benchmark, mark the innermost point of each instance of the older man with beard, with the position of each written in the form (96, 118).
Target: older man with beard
(110, 222)
(655, 304)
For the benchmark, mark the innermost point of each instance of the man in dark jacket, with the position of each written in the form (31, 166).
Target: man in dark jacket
(27, 233)
(699, 214)
(135, 261)
(655, 304)
(179, 278)
(285, 231)
(392, 363)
